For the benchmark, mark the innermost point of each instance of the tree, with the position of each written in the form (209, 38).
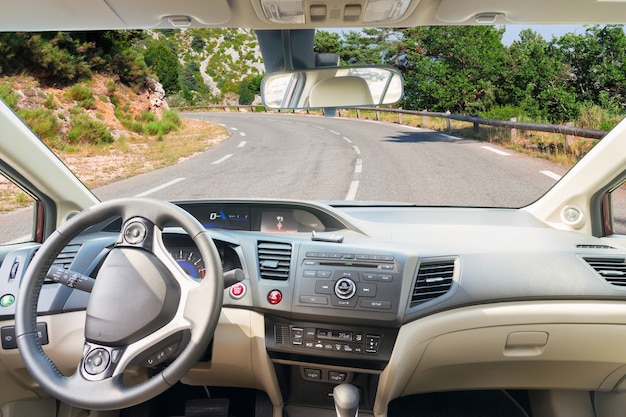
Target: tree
(327, 42)
(164, 62)
(245, 95)
(369, 46)
(538, 82)
(457, 68)
(598, 64)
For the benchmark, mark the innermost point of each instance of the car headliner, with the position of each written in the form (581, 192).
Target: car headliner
(47, 15)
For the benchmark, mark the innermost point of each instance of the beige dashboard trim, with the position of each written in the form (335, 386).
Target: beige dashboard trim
(467, 348)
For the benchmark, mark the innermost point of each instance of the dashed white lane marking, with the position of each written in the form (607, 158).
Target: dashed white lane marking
(160, 187)
(551, 175)
(354, 186)
(242, 133)
(358, 167)
(335, 133)
(234, 128)
(222, 159)
(242, 144)
(496, 151)
(449, 136)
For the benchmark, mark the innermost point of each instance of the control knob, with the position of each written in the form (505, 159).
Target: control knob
(345, 288)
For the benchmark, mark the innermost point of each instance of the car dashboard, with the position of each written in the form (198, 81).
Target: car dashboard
(395, 299)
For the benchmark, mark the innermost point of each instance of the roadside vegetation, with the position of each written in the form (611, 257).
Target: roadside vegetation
(104, 95)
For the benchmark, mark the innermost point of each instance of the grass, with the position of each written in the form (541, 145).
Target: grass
(550, 146)
(128, 156)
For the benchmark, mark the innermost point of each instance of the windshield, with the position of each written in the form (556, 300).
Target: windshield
(176, 114)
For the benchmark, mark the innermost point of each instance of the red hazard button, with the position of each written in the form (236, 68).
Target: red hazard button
(274, 297)
(237, 290)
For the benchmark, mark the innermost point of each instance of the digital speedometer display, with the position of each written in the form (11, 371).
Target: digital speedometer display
(232, 218)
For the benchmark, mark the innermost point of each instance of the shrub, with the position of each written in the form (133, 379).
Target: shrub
(49, 102)
(86, 130)
(42, 121)
(146, 116)
(172, 116)
(8, 95)
(82, 95)
(111, 86)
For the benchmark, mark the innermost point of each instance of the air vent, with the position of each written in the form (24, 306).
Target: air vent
(613, 270)
(67, 255)
(594, 247)
(274, 260)
(434, 279)
(281, 334)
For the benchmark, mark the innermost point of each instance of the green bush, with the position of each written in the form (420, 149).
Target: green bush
(82, 95)
(111, 86)
(86, 130)
(146, 116)
(43, 122)
(595, 117)
(172, 116)
(49, 102)
(8, 95)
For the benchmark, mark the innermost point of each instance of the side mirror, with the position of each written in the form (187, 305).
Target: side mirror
(332, 87)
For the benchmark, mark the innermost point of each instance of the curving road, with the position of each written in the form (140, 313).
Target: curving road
(311, 157)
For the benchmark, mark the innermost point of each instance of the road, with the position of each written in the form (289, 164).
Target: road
(311, 157)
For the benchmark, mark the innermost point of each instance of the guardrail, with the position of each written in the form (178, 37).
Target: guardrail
(569, 130)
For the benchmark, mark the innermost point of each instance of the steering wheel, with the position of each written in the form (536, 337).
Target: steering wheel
(143, 308)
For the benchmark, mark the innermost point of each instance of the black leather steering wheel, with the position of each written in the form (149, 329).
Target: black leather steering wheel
(143, 308)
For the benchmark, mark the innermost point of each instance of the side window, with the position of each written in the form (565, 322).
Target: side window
(16, 213)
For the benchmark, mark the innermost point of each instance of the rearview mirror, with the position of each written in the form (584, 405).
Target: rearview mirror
(332, 87)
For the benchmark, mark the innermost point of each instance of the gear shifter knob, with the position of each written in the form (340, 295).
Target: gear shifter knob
(346, 398)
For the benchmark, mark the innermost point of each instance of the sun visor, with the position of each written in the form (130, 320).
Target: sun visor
(501, 12)
(35, 15)
(166, 13)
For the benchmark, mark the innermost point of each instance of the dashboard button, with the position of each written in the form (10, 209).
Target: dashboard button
(366, 290)
(310, 373)
(309, 274)
(313, 299)
(335, 376)
(324, 287)
(274, 297)
(237, 290)
(97, 361)
(323, 274)
(369, 277)
(377, 304)
(385, 278)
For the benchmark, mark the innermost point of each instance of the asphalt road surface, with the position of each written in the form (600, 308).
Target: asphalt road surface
(312, 157)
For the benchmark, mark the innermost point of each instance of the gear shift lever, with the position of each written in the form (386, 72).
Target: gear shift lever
(346, 398)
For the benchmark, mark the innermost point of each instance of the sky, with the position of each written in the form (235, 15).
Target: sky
(547, 31)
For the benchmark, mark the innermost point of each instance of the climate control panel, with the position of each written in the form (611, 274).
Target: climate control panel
(292, 340)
